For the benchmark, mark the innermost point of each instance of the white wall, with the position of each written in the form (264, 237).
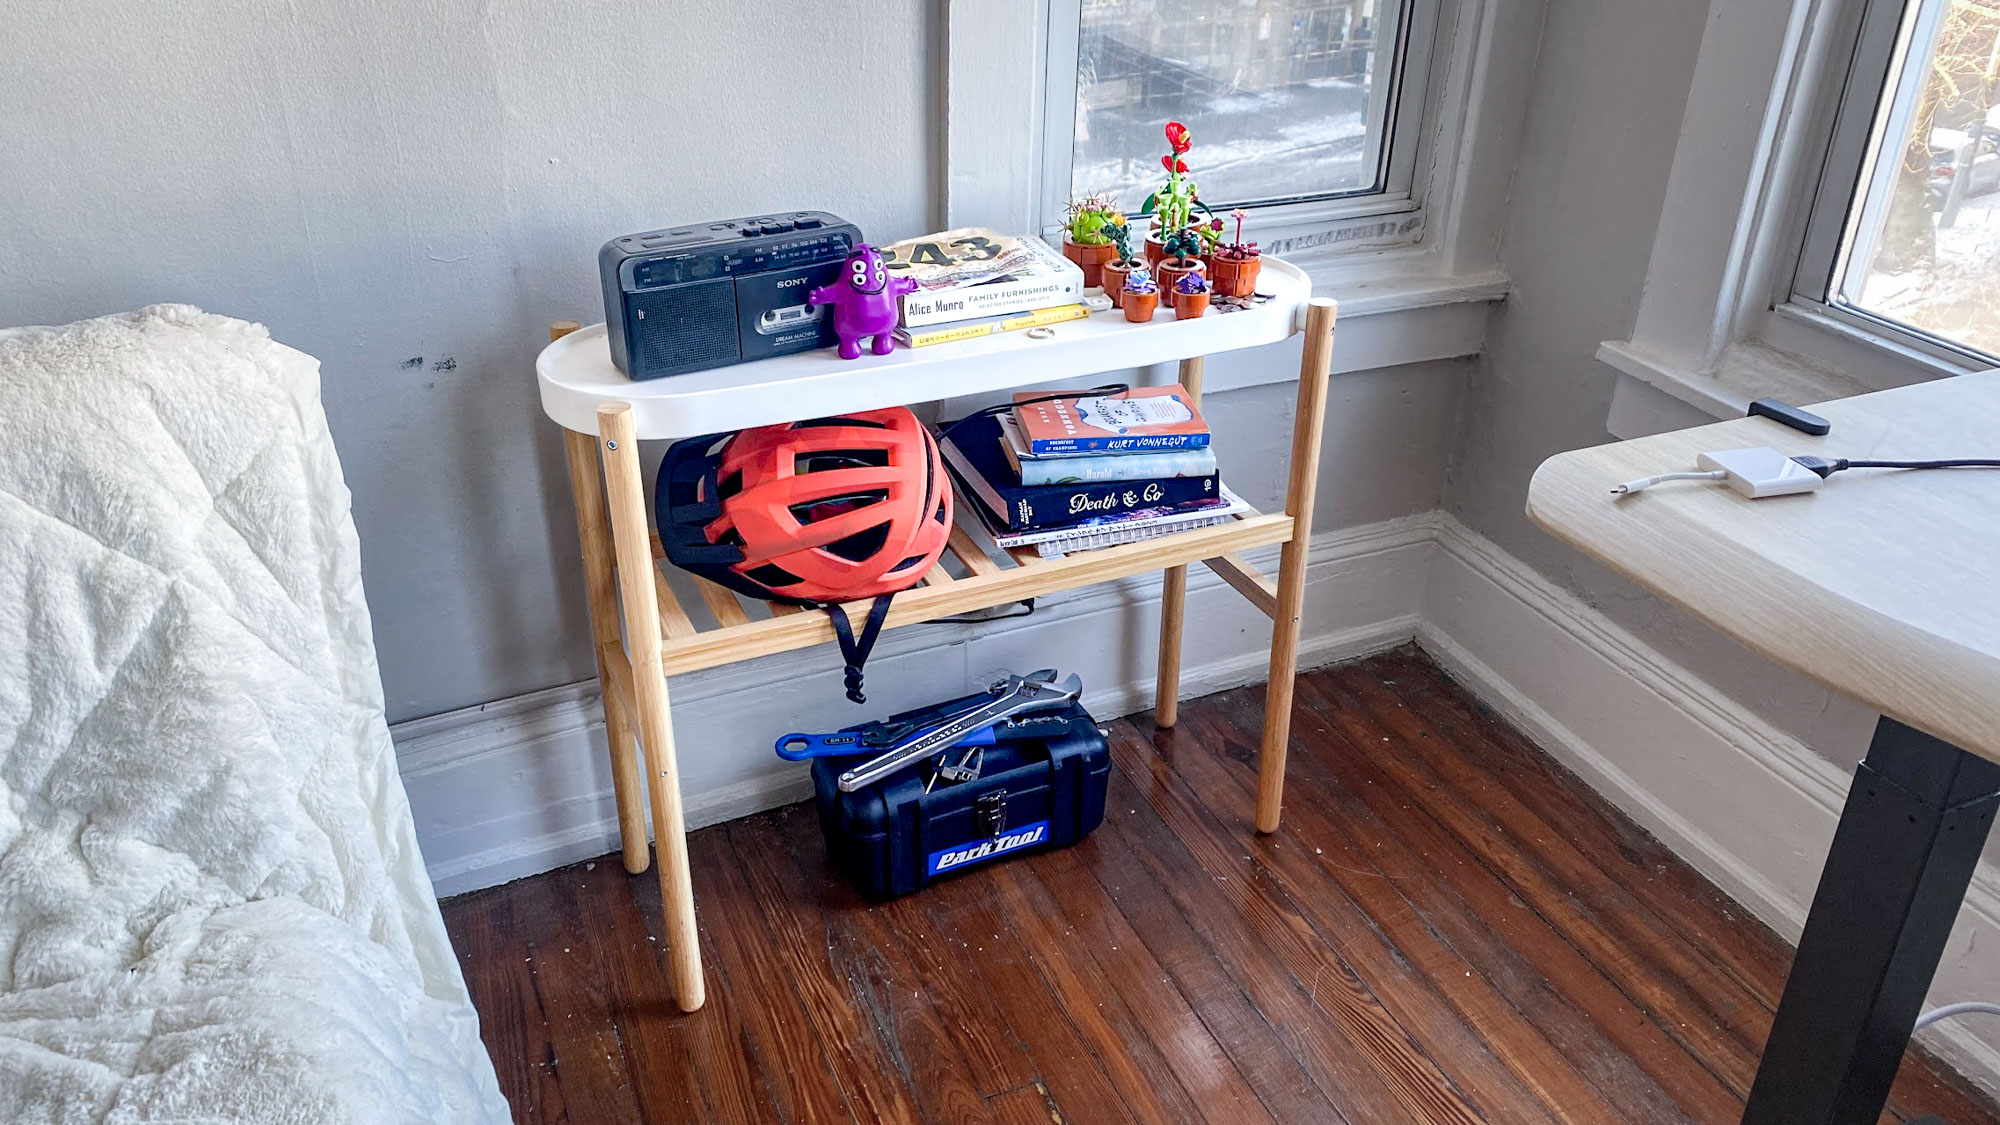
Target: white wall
(384, 180)
(1603, 125)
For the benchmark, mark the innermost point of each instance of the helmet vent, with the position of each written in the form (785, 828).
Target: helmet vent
(813, 511)
(771, 576)
(906, 564)
(729, 485)
(827, 460)
(862, 545)
(814, 423)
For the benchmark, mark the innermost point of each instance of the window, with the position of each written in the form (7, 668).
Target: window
(1904, 233)
(1304, 111)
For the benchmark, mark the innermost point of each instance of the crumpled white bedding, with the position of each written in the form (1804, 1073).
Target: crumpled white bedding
(212, 907)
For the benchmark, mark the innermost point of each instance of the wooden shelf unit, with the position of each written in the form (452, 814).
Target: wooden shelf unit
(746, 628)
(645, 632)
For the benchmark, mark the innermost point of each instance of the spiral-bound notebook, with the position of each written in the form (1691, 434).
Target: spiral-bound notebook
(1112, 531)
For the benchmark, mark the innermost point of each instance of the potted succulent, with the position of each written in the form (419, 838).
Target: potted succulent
(1233, 266)
(1190, 296)
(1122, 263)
(1173, 204)
(1142, 297)
(1183, 256)
(1084, 240)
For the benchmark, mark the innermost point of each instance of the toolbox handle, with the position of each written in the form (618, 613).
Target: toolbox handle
(799, 747)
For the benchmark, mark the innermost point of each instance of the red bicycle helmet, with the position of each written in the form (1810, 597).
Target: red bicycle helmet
(815, 512)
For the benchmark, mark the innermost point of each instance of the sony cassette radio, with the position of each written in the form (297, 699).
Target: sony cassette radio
(711, 294)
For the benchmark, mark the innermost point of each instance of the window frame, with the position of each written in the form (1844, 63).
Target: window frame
(1423, 299)
(1348, 220)
(1854, 153)
(1724, 316)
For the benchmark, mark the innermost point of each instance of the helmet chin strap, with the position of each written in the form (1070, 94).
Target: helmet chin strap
(855, 651)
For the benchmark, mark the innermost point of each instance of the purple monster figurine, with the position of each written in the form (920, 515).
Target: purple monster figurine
(864, 303)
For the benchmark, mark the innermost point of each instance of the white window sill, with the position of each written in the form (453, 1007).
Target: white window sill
(1388, 317)
(1804, 356)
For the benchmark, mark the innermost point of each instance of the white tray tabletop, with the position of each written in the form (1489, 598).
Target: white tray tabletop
(577, 376)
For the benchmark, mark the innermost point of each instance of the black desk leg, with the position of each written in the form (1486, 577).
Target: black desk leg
(1902, 858)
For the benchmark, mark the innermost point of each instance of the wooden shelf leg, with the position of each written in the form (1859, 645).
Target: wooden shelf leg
(627, 495)
(1307, 427)
(1173, 601)
(600, 578)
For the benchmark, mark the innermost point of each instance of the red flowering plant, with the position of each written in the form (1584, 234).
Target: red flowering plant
(1174, 203)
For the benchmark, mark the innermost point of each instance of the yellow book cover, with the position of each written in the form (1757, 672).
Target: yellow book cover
(986, 326)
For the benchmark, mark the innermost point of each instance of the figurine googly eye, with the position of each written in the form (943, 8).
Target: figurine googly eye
(860, 271)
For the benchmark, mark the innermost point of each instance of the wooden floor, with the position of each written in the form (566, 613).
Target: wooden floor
(1448, 929)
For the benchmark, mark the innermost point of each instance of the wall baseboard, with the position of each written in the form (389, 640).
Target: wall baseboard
(1748, 805)
(522, 785)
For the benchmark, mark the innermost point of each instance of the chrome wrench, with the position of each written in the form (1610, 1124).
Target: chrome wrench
(1015, 695)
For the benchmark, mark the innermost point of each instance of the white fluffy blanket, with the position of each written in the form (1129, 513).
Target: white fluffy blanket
(211, 903)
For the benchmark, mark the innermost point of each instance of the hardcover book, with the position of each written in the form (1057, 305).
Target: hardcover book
(972, 451)
(975, 272)
(1084, 469)
(1143, 419)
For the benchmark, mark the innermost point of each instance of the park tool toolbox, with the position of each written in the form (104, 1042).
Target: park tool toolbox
(931, 792)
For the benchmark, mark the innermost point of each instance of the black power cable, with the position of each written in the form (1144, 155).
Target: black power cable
(1827, 466)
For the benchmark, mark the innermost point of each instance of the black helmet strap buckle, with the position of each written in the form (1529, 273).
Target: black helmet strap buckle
(854, 651)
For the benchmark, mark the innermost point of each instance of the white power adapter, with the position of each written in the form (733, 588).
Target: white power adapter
(1761, 472)
(1756, 472)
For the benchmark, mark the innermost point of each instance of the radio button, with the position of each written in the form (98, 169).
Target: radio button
(808, 224)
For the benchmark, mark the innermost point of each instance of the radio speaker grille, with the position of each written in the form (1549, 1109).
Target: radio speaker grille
(682, 328)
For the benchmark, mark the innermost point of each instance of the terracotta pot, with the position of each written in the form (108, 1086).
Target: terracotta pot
(1156, 251)
(1140, 307)
(1188, 306)
(1115, 273)
(1090, 258)
(1234, 277)
(1173, 269)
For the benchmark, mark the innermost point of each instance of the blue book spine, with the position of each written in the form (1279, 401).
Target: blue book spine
(1148, 443)
(1131, 466)
(1052, 505)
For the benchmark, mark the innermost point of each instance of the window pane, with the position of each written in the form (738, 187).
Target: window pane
(1923, 242)
(1286, 99)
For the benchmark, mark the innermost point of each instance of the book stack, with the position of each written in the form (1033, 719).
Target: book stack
(1094, 471)
(974, 282)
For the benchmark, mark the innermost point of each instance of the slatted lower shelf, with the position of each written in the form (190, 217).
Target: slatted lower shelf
(745, 628)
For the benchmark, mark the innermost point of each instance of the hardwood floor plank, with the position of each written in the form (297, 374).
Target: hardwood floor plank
(1454, 1011)
(1258, 1049)
(1362, 1060)
(906, 990)
(1701, 914)
(874, 1085)
(1055, 888)
(1479, 930)
(1130, 1059)
(1680, 982)
(1025, 1105)
(997, 962)
(499, 976)
(777, 1033)
(614, 1045)
(1530, 955)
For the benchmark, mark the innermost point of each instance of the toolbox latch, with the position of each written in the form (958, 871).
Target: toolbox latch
(990, 811)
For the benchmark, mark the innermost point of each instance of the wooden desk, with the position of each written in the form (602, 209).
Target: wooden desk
(1885, 585)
